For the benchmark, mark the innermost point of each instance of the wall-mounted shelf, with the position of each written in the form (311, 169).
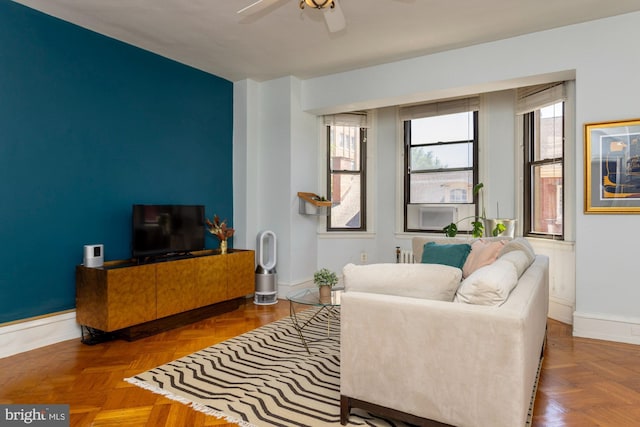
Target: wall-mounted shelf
(311, 205)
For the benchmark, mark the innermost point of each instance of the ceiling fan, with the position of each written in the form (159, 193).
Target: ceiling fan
(333, 15)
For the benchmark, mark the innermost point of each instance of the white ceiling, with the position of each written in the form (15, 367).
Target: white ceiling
(284, 40)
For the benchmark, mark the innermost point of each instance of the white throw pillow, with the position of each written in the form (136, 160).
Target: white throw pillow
(521, 260)
(488, 285)
(519, 244)
(428, 281)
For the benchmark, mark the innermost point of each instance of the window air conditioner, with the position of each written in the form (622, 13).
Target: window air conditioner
(437, 217)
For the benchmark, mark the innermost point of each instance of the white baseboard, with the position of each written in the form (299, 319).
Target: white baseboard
(604, 327)
(285, 289)
(561, 310)
(42, 331)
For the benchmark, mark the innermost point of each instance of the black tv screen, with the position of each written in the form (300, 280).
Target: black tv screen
(167, 229)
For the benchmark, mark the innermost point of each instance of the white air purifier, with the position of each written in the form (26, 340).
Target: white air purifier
(266, 278)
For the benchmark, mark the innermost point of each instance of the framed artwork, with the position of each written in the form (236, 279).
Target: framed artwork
(612, 167)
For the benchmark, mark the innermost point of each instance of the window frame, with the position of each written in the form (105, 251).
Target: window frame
(406, 126)
(361, 172)
(531, 123)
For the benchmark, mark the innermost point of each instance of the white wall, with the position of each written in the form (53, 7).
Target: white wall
(275, 152)
(337, 249)
(246, 141)
(600, 55)
(497, 153)
(304, 177)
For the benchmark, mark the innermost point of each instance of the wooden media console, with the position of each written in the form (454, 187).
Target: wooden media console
(124, 299)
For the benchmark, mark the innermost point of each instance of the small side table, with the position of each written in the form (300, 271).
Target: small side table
(311, 297)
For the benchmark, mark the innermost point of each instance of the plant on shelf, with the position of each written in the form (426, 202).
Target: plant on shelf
(325, 280)
(220, 230)
(478, 222)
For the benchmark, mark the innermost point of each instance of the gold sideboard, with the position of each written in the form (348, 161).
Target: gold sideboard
(122, 294)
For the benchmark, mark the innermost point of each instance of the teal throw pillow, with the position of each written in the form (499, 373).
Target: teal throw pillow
(448, 254)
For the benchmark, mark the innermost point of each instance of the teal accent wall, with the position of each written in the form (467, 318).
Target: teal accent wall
(88, 127)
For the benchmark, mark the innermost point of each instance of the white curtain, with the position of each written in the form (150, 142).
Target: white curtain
(533, 98)
(439, 108)
(347, 119)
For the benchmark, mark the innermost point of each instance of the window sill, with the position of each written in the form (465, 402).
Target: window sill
(412, 234)
(550, 243)
(346, 235)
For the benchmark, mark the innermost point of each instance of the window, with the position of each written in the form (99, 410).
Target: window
(459, 195)
(544, 166)
(346, 168)
(440, 152)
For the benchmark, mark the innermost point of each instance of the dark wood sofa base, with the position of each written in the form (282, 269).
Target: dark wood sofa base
(347, 403)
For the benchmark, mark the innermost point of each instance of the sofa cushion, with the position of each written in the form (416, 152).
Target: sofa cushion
(418, 242)
(483, 252)
(488, 285)
(521, 260)
(429, 281)
(446, 254)
(519, 244)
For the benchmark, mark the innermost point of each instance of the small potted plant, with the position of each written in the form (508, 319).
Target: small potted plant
(325, 280)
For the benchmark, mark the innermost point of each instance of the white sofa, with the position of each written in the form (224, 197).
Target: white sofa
(423, 360)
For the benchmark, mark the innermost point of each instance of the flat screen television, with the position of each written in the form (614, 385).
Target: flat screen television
(167, 229)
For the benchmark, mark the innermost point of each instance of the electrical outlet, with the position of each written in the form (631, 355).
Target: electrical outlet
(363, 257)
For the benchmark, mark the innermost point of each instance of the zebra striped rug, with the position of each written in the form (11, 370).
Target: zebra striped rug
(263, 378)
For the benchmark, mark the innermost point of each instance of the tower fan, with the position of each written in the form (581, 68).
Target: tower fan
(266, 278)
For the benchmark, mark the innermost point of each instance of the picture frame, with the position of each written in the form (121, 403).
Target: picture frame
(612, 167)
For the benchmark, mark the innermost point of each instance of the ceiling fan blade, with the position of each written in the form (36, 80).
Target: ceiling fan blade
(334, 18)
(256, 7)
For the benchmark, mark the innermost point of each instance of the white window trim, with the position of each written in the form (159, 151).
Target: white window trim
(569, 169)
(471, 103)
(400, 178)
(371, 151)
(400, 233)
(569, 157)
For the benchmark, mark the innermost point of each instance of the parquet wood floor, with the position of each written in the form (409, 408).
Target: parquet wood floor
(583, 382)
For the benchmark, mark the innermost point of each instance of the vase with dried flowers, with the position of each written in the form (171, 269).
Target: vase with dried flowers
(221, 231)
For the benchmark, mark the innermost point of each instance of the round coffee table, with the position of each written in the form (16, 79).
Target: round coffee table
(311, 297)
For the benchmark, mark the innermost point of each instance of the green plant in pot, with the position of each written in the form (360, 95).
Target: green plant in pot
(325, 279)
(478, 223)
